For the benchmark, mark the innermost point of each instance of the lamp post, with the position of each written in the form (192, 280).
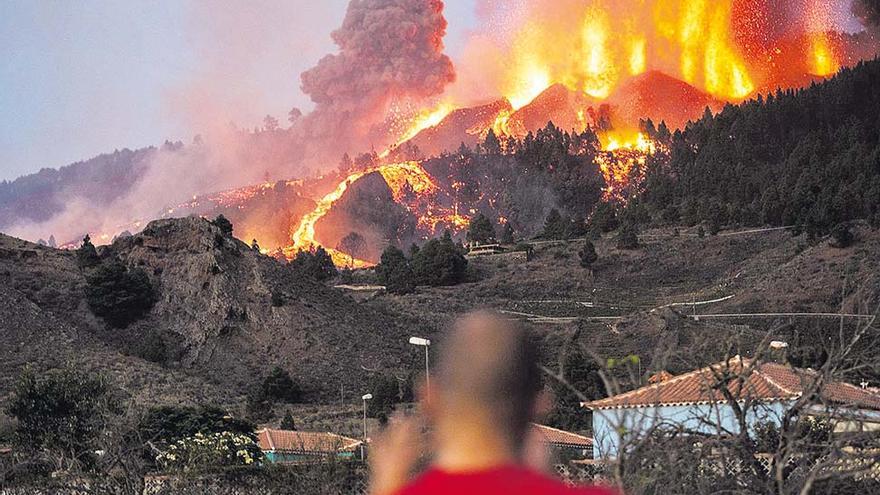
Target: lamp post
(365, 399)
(424, 343)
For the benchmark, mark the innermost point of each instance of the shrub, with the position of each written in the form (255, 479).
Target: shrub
(555, 226)
(507, 234)
(481, 230)
(224, 225)
(87, 255)
(439, 263)
(387, 392)
(315, 264)
(167, 424)
(61, 412)
(202, 451)
(119, 295)
(628, 237)
(279, 386)
(588, 254)
(277, 299)
(842, 237)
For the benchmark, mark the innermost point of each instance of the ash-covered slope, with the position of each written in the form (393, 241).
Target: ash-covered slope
(465, 125)
(660, 97)
(214, 313)
(567, 110)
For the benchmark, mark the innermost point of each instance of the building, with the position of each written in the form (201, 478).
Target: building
(284, 446)
(694, 401)
(565, 444)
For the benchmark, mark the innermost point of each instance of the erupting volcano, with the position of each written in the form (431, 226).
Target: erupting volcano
(602, 66)
(605, 70)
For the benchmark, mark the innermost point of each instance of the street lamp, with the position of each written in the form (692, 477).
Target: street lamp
(365, 399)
(424, 343)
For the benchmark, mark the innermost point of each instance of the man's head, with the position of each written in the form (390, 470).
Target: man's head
(488, 368)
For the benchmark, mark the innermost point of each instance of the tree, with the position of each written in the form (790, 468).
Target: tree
(270, 123)
(439, 262)
(394, 271)
(480, 230)
(354, 245)
(507, 234)
(555, 226)
(279, 386)
(287, 422)
(387, 392)
(119, 295)
(492, 144)
(224, 224)
(588, 255)
(582, 374)
(628, 237)
(315, 264)
(294, 115)
(605, 217)
(87, 255)
(402, 280)
(61, 413)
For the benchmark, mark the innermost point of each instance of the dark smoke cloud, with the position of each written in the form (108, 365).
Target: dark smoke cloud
(389, 50)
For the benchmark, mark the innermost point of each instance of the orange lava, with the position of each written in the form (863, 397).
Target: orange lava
(400, 177)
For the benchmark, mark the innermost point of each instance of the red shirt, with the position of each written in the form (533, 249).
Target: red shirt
(511, 480)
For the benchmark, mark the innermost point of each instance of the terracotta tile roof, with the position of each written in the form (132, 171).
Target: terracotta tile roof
(554, 436)
(764, 382)
(304, 442)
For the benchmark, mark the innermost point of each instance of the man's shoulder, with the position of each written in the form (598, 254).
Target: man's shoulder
(507, 480)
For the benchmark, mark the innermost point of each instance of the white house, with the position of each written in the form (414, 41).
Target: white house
(693, 401)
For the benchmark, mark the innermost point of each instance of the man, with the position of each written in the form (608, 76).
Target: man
(479, 408)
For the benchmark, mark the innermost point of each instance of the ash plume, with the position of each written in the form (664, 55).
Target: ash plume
(389, 50)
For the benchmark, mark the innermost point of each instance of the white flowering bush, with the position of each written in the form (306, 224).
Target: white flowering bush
(212, 450)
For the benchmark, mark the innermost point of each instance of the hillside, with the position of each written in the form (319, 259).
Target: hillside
(214, 314)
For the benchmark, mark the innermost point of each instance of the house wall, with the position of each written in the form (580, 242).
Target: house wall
(614, 427)
(283, 457)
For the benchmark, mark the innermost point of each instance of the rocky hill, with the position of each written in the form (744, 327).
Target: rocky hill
(214, 317)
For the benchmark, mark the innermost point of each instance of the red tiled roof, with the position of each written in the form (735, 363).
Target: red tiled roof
(554, 436)
(306, 442)
(763, 382)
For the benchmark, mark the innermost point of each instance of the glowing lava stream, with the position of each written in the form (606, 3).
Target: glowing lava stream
(396, 175)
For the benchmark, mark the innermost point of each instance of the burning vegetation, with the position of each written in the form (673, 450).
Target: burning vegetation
(616, 78)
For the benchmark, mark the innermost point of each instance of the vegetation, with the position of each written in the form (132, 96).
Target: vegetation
(279, 386)
(315, 264)
(795, 157)
(354, 245)
(439, 262)
(507, 234)
(388, 391)
(480, 230)
(60, 414)
(87, 255)
(628, 237)
(224, 225)
(588, 255)
(210, 451)
(119, 295)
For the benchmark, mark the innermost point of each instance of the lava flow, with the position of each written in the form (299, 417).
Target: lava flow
(399, 177)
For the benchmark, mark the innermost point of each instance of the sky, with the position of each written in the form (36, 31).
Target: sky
(80, 78)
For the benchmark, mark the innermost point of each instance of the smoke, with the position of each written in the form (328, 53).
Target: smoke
(868, 11)
(389, 50)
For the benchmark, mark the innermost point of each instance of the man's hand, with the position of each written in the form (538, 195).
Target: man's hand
(394, 455)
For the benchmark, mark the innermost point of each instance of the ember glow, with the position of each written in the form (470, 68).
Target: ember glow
(400, 177)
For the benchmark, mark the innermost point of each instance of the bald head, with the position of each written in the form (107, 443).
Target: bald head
(489, 364)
